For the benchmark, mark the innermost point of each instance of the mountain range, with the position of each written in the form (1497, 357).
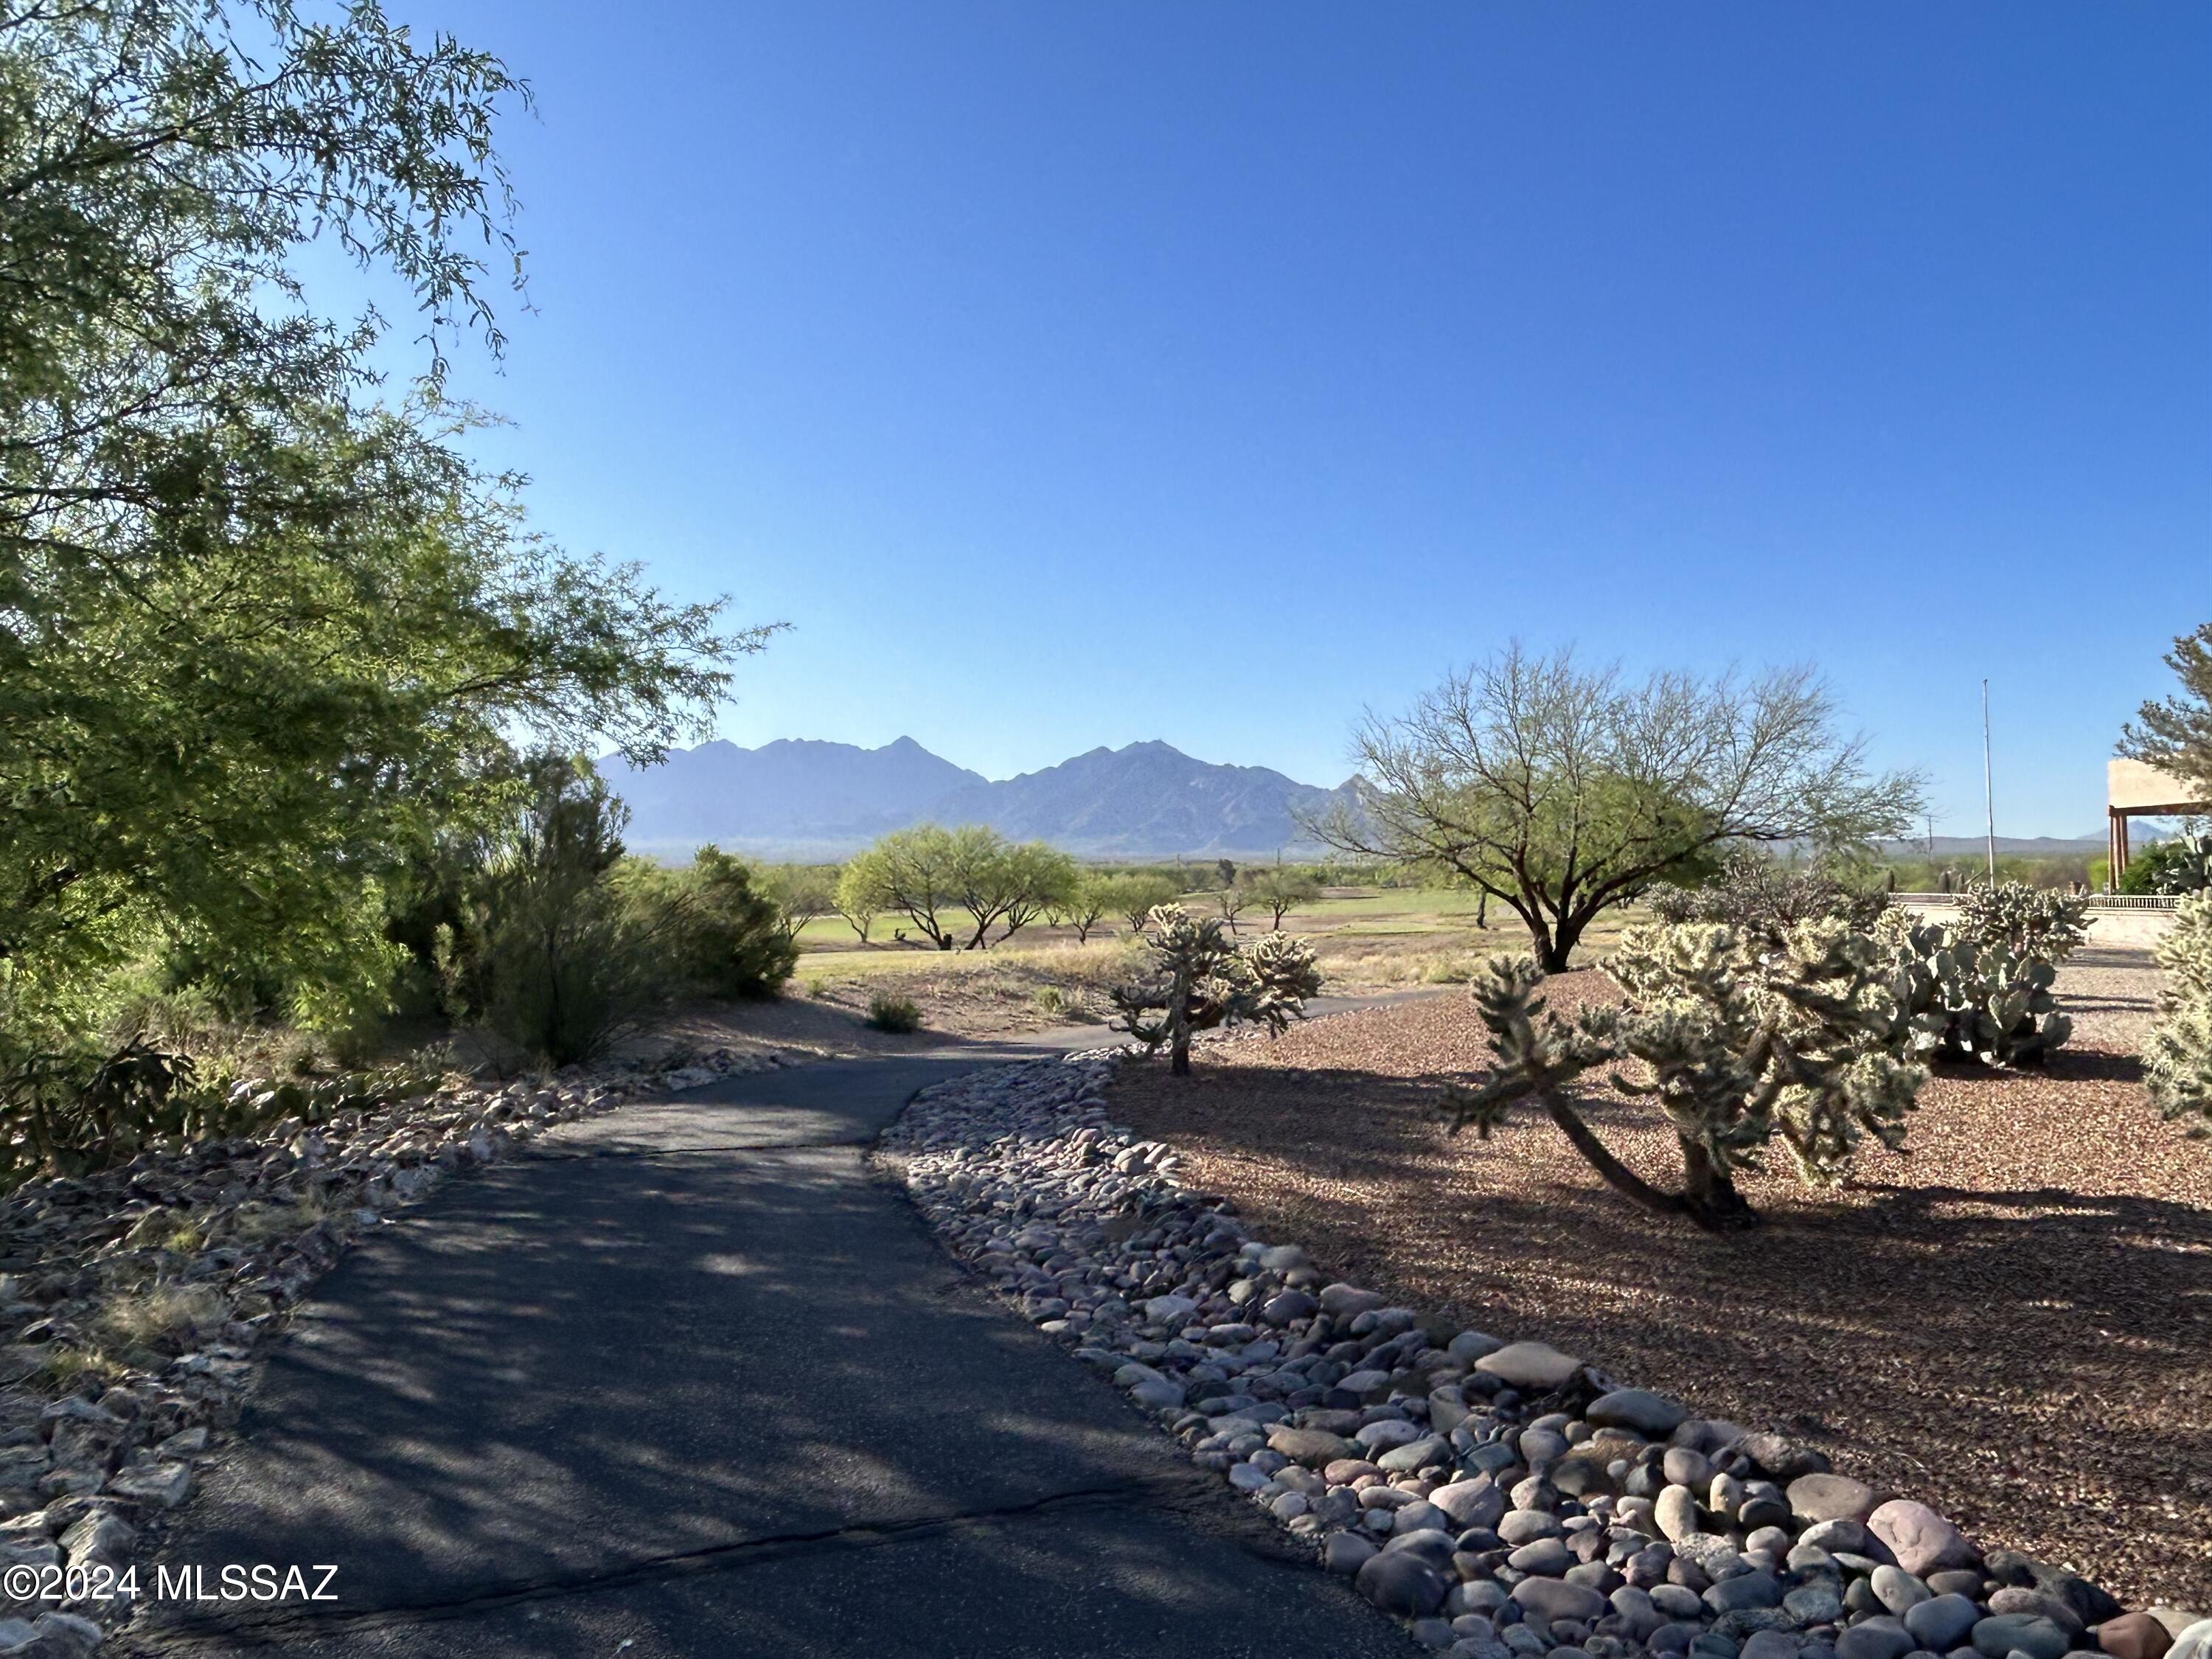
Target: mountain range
(798, 799)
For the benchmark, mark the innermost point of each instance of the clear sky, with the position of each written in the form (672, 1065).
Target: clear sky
(1069, 374)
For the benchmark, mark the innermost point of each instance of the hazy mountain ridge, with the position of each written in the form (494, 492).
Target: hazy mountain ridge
(799, 799)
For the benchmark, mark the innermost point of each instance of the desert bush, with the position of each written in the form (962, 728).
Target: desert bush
(1199, 978)
(556, 955)
(2182, 865)
(729, 938)
(1739, 1046)
(2177, 1057)
(1756, 896)
(887, 1012)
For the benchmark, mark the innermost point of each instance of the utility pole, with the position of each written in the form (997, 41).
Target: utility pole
(1988, 794)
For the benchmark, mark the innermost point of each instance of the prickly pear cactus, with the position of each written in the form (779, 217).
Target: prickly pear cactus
(1960, 999)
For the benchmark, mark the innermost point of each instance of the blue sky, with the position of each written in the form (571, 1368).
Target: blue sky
(1071, 374)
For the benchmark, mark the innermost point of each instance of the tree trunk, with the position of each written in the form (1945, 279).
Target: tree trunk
(1709, 1200)
(1179, 1028)
(1618, 1175)
(1556, 955)
(1709, 1194)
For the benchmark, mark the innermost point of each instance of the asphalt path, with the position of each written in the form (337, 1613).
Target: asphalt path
(688, 1380)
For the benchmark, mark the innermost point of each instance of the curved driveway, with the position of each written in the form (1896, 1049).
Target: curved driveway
(684, 1381)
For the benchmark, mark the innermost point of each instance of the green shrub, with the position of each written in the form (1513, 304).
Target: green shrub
(736, 941)
(553, 954)
(2182, 865)
(888, 1013)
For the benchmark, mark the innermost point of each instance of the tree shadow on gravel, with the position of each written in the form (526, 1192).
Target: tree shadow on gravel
(1969, 1322)
(567, 1375)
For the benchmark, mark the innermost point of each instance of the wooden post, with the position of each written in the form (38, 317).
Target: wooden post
(2117, 849)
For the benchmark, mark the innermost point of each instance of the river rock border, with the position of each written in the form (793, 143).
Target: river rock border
(1510, 1501)
(233, 1233)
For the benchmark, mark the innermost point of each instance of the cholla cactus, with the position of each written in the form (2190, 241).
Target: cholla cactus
(1739, 1046)
(1963, 999)
(2039, 922)
(2177, 1059)
(1201, 978)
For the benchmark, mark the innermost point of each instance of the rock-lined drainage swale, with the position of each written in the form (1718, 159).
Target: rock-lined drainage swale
(1510, 1501)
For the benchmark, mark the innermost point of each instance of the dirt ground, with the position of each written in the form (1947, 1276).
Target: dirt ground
(2013, 1320)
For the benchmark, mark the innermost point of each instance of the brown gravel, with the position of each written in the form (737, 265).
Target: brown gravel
(2013, 1320)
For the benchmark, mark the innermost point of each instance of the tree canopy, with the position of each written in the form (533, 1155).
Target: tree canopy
(262, 627)
(2175, 734)
(1564, 791)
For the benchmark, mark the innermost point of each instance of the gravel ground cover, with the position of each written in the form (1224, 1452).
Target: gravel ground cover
(2012, 1322)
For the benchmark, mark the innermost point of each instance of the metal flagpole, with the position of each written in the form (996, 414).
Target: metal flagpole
(1989, 796)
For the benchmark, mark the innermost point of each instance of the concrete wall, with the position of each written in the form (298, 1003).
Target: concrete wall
(2117, 926)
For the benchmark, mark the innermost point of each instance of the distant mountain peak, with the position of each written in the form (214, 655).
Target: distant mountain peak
(811, 798)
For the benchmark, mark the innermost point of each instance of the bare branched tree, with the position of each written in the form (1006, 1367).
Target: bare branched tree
(1563, 792)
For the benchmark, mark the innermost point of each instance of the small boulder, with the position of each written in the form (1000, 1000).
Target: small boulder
(1922, 1540)
(1651, 1415)
(1534, 1366)
(2134, 1635)
(2002, 1634)
(1402, 1581)
(1314, 1448)
(1551, 1600)
(1942, 1622)
(1816, 1498)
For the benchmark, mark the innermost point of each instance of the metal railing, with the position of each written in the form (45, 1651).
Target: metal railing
(2097, 901)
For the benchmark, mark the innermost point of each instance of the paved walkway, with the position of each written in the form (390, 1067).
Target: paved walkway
(685, 1381)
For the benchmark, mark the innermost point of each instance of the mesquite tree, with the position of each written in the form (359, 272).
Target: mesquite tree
(1202, 978)
(1738, 1047)
(1563, 792)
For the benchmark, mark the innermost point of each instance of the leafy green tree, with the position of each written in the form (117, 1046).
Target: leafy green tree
(1737, 1044)
(1081, 906)
(1280, 889)
(915, 873)
(1201, 978)
(1005, 885)
(1564, 793)
(855, 900)
(2175, 735)
(800, 893)
(265, 636)
(931, 875)
(1135, 895)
